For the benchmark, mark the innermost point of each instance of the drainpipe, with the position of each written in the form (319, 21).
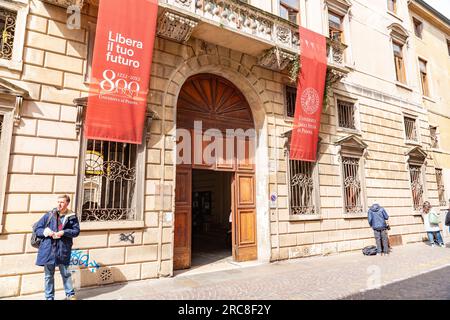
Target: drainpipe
(162, 186)
(276, 185)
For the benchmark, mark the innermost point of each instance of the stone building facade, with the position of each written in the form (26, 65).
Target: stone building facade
(374, 135)
(430, 31)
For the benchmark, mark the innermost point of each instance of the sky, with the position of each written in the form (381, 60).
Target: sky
(443, 6)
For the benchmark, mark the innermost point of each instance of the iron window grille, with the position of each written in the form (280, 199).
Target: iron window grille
(8, 27)
(109, 182)
(301, 184)
(441, 188)
(291, 97)
(346, 114)
(415, 173)
(410, 129)
(352, 186)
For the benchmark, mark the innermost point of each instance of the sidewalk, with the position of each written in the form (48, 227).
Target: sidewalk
(329, 277)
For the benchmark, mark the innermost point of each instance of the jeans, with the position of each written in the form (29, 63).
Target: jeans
(381, 239)
(435, 236)
(66, 276)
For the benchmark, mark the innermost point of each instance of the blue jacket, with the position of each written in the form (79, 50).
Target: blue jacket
(56, 251)
(377, 217)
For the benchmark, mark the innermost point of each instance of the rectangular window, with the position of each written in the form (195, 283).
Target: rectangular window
(346, 114)
(289, 10)
(336, 31)
(352, 185)
(418, 28)
(291, 97)
(301, 183)
(109, 181)
(441, 188)
(410, 129)
(415, 174)
(424, 77)
(399, 64)
(392, 6)
(448, 47)
(7, 27)
(434, 137)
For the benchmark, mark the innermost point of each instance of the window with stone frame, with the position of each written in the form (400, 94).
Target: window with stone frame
(13, 23)
(109, 187)
(335, 27)
(392, 6)
(434, 137)
(399, 62)
(352, 185)
(291, 97)
(346, 114)
(418, 27)
(351, 158)
(290, 10)
(301, 184)
(440, 187)
(424, 77)
(415, 174)
(411, 129)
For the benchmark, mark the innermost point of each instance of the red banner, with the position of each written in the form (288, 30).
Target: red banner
(310, 90)
(121, 70)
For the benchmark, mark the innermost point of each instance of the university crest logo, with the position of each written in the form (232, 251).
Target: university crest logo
(310, 100)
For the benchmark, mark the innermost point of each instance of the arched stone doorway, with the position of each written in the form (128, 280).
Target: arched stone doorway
(215, 130)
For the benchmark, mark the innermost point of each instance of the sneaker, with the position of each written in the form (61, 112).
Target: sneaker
(73, 297)
(433, 245)
(442, 245)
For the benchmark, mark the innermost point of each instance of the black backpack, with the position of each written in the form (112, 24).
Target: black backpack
(369, 251)
(35, 240)
(447, 218)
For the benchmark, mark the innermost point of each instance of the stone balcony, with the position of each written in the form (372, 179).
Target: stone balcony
(253, 31)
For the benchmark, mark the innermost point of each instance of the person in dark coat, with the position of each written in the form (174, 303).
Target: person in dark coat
(377, 217)
(57, 228)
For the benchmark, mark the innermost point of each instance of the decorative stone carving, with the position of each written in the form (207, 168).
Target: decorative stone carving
(243, 19)
(175, 27)
(276, 59)
(186, 3)
(335, 52)
(9, 89)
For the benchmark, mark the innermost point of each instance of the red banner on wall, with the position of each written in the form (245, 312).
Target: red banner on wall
(310, 90)
(121, 70)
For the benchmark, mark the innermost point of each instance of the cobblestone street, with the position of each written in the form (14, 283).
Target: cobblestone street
(419, 272)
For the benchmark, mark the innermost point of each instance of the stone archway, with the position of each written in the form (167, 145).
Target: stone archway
(236, 69)
(218, 106)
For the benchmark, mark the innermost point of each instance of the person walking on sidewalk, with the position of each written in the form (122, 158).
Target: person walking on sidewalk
(431, 223)
(377, 217)
(57, 228)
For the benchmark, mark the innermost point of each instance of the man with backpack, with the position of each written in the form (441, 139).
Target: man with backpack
(56, 229)
(377, 217)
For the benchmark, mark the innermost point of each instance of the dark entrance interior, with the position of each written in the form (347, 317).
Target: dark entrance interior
(211, 209)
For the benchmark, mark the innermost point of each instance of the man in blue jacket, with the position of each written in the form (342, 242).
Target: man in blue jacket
(57, 228)
(377, 220)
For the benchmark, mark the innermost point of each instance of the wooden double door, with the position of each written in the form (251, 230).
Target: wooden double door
(219, 105)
